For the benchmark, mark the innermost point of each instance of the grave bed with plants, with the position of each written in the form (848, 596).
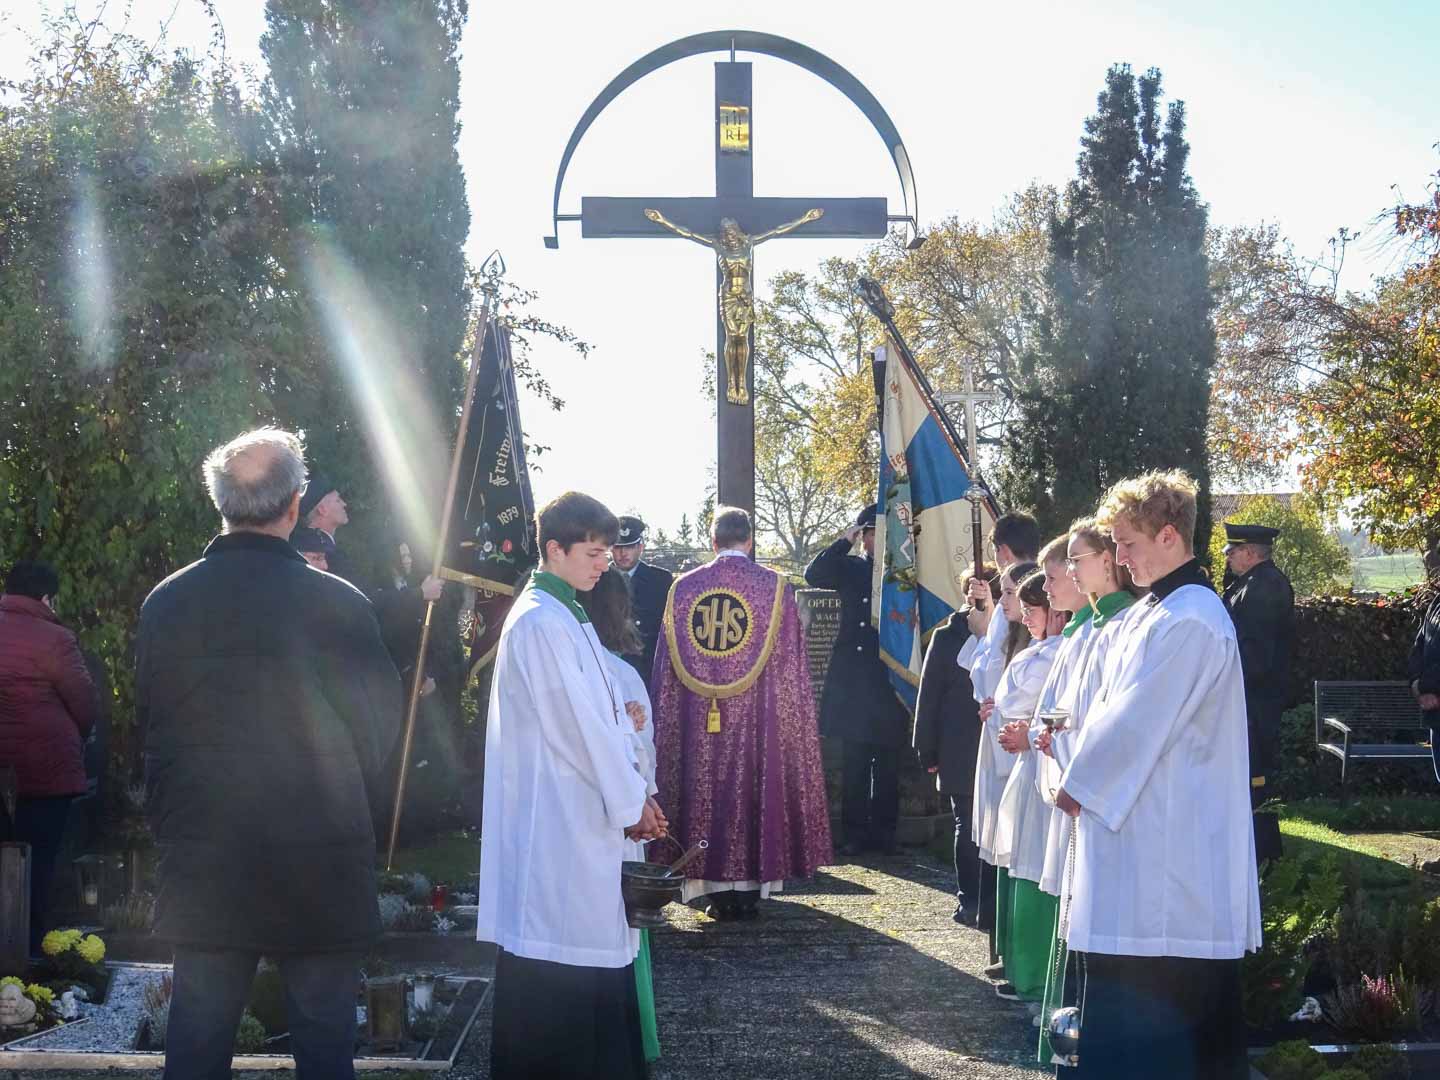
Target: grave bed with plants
(128, 1030)
(1345, 985)
(76, 1009)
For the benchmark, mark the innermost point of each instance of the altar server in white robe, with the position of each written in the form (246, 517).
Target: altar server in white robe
(562, 794)
(1165, 900)
(1028, 928)
(1090, 571)
(612, 615)
(1090, 576)
(1015, 693)
(1016, 539)
(1018, 687)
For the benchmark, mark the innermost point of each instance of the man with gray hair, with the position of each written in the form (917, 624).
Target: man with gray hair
(737, 748)
(267, 706)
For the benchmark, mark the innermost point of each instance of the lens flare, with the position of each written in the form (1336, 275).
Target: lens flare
(90, 283)
(377, 362)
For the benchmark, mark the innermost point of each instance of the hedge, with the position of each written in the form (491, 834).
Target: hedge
(1339, 638)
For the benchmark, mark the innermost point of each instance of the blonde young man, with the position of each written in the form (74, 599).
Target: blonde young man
(1164, 900)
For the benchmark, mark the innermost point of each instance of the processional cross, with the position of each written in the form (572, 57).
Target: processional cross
(733, 221)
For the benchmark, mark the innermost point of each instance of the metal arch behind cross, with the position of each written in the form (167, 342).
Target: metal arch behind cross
(772, 45)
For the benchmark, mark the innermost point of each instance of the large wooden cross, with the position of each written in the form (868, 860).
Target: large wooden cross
(708, 220)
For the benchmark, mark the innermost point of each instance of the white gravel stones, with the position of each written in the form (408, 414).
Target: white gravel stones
(112, 1026)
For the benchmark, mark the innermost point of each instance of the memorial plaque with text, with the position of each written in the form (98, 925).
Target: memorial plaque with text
(820, 620)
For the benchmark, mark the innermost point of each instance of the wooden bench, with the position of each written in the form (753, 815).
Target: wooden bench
(1348, 712)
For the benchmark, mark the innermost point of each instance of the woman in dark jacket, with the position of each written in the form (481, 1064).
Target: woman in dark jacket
(947, 727)
(48, 705)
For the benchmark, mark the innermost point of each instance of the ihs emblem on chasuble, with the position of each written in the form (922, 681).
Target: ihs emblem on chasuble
(721, 623)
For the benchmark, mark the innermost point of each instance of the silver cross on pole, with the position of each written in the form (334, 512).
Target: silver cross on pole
(970, 398)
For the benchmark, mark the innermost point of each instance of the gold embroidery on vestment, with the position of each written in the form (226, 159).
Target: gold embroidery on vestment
(719, 691)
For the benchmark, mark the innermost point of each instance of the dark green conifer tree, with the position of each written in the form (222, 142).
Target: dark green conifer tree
(362, 97)
(1118, 378)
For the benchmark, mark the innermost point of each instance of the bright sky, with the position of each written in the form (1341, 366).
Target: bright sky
(1311, 113)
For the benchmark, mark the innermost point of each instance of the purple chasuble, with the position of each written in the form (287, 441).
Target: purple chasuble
(731, 644)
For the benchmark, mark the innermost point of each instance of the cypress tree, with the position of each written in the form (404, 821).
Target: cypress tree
(1117, 381)
(362, 97)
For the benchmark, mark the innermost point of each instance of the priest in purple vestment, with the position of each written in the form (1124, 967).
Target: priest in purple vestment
(737, 744)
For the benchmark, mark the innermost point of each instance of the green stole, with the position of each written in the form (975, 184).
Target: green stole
(560, 589)
(1111, 605)
(1079, 619)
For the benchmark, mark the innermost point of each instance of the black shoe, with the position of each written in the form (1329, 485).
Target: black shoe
(965, 917)
(1007, 991)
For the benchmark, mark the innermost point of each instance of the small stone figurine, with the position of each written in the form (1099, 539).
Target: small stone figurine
(16, 1010)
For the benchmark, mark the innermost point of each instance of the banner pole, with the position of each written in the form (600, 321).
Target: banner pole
(492, 270)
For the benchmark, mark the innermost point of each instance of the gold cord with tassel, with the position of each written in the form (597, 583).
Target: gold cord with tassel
(712, 718)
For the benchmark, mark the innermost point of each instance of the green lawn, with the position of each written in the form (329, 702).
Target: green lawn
(453, 858)
(1374, 872)
(1388, 573)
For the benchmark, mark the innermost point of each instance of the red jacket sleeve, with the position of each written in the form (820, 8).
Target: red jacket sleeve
(74, 685)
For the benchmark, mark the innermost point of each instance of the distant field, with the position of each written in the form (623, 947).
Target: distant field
(1387, 573)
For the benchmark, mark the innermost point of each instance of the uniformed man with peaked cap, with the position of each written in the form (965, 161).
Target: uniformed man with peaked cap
(649, 587)
(1262, 605)
(858, 704)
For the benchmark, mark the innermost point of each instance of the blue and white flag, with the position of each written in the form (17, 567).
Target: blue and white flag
(923, 538)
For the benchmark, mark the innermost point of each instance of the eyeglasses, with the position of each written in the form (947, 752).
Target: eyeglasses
(1072, 561)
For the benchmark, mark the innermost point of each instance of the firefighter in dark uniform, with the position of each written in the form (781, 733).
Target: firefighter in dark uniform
(858, 704)
(649, 589)
(1262, 605)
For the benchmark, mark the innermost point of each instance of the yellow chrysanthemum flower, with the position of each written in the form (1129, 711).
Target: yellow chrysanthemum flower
(41, 995)
(91, 949)
(11, 980)
(54, 943)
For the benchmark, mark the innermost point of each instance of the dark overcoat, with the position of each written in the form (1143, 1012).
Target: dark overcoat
(1424, 665)
(267, 705)
(649, 589)
(1262, 606)
(858, 701)
(947, 716)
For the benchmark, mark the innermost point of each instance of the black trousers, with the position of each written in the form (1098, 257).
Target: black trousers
(41, 824)
(1160, 1016)
(212, 986)
(870, 793)
(989, 886)
(967, 857)
(562, 1022)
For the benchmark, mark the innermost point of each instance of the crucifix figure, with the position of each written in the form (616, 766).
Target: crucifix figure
(731, 222)
(735, 256)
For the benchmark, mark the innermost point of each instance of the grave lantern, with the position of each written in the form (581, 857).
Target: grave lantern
(424, 992)
(386, 1023)
(97, 884)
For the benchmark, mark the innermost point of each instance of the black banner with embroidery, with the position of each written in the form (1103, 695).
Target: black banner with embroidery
(492, 541)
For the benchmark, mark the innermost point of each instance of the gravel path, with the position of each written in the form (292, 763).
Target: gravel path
(859, 975)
